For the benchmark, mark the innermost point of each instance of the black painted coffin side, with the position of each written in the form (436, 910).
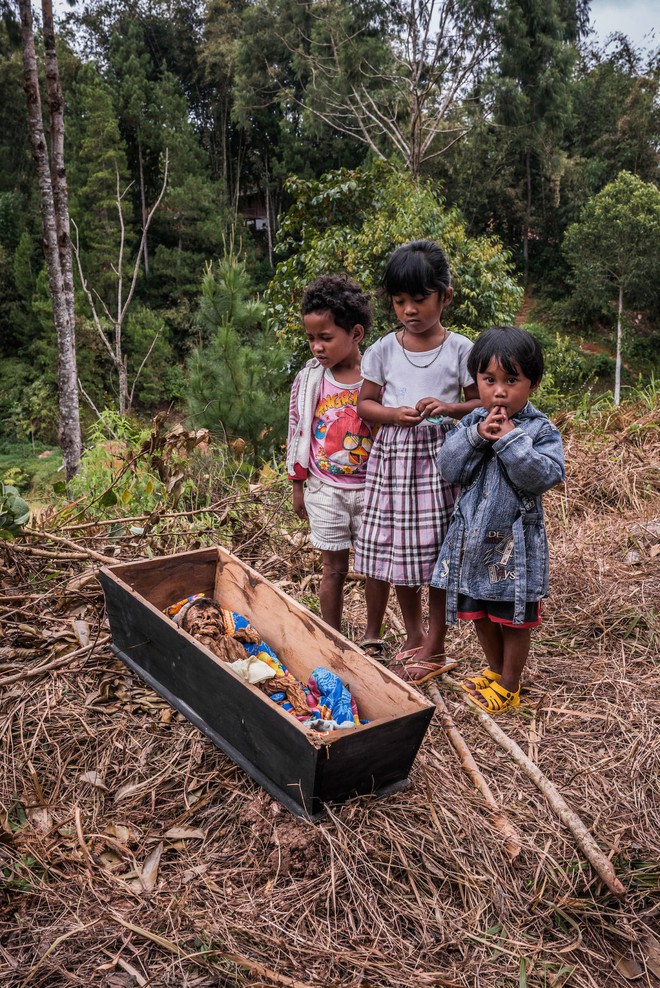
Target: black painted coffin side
(251, 730)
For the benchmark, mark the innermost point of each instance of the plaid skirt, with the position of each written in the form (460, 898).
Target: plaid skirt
(407, 506)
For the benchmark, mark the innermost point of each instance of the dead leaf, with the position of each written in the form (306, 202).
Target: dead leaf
(123, 834)
(110, 861)
(655, 550)
(191, 873)
(149, 874)
(40, 819)
(653, 955)
(132, 971)
(94, 779)
(628, 967)
(81, 631)
(185, 833)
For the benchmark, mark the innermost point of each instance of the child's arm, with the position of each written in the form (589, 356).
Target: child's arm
(299, 499)
(371, 409)
(462, 454)
(532, 465)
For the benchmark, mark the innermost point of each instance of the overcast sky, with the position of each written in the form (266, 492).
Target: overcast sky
(634, 18)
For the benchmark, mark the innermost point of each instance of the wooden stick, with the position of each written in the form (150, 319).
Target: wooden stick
(600, 863)
(55, 664)
(70, 544)
(512, 841)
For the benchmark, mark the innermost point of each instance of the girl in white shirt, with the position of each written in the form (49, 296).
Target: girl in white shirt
(415, 383)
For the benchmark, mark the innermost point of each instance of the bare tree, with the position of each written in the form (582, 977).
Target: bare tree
(113, 341)
(55, 220)
(398, 97)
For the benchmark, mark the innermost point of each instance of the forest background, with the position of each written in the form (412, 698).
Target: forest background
(287, 139)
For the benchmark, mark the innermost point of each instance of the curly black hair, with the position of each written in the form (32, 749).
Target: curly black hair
(342, 297)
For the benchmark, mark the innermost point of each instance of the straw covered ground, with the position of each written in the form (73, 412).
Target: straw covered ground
(134, 853)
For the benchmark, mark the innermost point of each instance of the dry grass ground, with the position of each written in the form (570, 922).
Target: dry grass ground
(134, 853)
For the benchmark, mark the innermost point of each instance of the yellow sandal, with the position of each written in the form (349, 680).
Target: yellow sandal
(495, 699)
(485, 678)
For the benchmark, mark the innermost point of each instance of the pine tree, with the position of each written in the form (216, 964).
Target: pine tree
(237, 380)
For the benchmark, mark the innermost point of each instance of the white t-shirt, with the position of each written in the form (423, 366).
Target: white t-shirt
(406, 381)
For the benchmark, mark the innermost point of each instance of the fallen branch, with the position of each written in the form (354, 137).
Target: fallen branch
(106, 560)
(501, 822)
(600, 863)
(55, 664)
(48, 554)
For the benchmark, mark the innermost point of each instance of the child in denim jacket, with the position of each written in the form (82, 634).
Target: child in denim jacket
(494, 560)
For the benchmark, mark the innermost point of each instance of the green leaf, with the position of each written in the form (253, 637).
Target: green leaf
(108, 500)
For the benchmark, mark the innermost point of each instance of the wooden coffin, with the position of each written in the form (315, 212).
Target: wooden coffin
(300, 768)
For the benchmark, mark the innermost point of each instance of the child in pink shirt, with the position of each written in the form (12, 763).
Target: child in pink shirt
(328, 444)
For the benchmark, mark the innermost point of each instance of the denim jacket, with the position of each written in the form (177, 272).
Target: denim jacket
(496, 547)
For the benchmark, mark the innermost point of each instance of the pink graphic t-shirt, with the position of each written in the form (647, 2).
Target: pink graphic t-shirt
(341, 440)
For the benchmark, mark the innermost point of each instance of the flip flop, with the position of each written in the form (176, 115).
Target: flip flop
(495, 699)
(374, 647)
(420, 672)
(402, 656)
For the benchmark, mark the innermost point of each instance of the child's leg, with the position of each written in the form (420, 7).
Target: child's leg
(516, 642)
(410, 602)
(376, 596)
(331, 591)
(434, 645)
(491, 641)
(506, 650)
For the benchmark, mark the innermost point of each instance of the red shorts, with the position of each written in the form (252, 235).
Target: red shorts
(498, 611)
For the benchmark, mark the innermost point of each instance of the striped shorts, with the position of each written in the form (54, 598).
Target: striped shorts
(407, 506)
(334, 512)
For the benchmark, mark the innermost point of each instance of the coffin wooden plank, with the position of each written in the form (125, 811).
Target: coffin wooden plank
(370, 759)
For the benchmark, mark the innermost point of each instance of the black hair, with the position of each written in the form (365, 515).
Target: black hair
(512, 347)
(417, 268)
(342, 297)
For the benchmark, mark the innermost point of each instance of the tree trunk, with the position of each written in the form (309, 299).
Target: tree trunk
(269, 231)
(143, 203)
(619, 335)
(55, 221)
(528, 215)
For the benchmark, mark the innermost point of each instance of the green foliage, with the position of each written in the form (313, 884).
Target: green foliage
(237, 381)
(567, 371)
(128, 469)
(351, 221)
(105, 479)
(14, 511)
(28, 403)
(147, 340)
(615, 246)
(31, 468)
(98, 173)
